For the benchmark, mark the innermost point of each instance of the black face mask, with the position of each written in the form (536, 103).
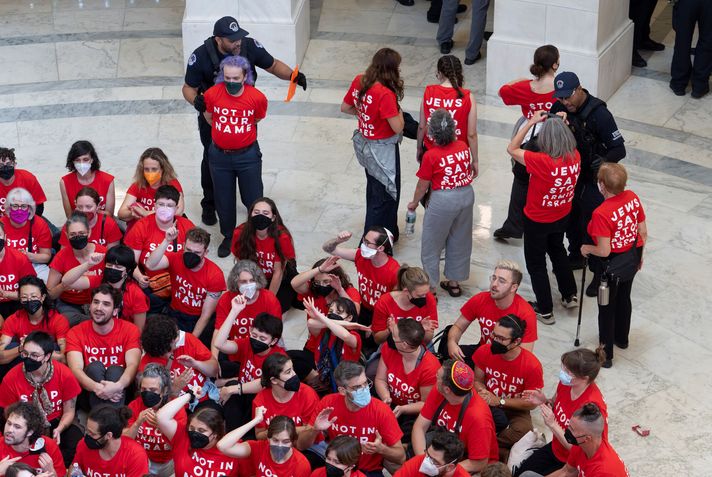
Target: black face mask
(113, 275)
(150, 398)
(31, 365)
(570, 438)
(321, 290)
(333, 471)
(258, 346)
(498, 348)
(419, 302)
(391, 342)
(198, 440)
(190, 259)
(260, 222)
(335, 316)
(31, 306)
(292, 384)
(79, 242)
(7, 171)
(92, 443)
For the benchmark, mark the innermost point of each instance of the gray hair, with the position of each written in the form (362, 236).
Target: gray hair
(155, 370)
(19, 194)
(245, 266)
(441, 127)
(346, 371)
(556, 139)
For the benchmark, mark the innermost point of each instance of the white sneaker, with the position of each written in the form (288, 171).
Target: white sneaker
(546, 318)
(570, 302)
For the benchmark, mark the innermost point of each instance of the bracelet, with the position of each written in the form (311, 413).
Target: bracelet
(240, 389)
(319, 269)
(192, 395)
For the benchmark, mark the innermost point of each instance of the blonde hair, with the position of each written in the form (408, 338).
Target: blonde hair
(411, 277)
(168, 174)
(513, 267)
(614, 177)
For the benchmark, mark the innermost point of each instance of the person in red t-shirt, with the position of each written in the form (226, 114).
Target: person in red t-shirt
(503, 371)
(531, 95)
(11, 178)
(617, 227)
(341, 458)
(233, 107)
(373, 98)
(196, 281)
(25, 232)
(553, 175)
(103, 229)
(152, 171)
(276, 456)
(104, 353)
(439, 460)
(264, 239)
(13, 266)
(352, 411)
(84, 171)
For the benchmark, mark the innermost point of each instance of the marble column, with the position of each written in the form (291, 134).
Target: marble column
(594, 38)
(282, 26)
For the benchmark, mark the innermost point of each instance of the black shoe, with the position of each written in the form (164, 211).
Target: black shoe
(638, 60)
(607, 364)
(461, 8)
(650, 45)
(592, 288)
(487, 35)
(504, 234)
(699, 94)
(208, 217)
(576, 262)
(435, 18)
(622, 345)
(446, 47)
(472, 61)
(677, 91)
(407, 3)
(224, 248)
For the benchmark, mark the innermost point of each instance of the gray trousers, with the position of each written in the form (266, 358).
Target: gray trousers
(446, 26)
(448, 225)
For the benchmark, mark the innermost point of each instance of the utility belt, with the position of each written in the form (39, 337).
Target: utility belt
(234, 151)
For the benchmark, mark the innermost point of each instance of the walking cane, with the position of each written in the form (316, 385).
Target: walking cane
(583, 282)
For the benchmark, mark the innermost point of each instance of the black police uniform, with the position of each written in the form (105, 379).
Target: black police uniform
(685, 14)
(203, 68)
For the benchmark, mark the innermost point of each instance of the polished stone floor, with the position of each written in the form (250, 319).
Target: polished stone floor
(110, 71)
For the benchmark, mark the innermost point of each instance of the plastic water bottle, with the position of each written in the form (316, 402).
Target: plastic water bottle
(410, 222)
(76, 471)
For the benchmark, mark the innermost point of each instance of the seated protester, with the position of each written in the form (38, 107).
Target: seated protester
(353, 412)
(503, 371)
(411, 299)
(20, 469)
(576, 387)
(453, 406)
(196, 281)
(11, 178)
(277, 455)
(147, 234)
(152, 171)
(186, 358)
(341, 458)
(487, 308)
(154, 385)
(439, 460)
(103, 353)
(23, 440)
(247, 279)
(84, 171)
(246, 358)
(87, 260)
(283, 395)
(26, 234)
(50, 385)
(13, 266)
(104, 451)
(496, 469)
(264, 239)
(103, 229)
(194, 446)
(406, 372)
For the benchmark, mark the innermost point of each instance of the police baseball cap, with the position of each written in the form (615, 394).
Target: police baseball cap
(565, 83)
(227, 27)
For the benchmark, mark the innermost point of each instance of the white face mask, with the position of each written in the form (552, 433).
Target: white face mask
(600, 187)
(82, 167)
(428, 467)
(367, 252)
(248, 290)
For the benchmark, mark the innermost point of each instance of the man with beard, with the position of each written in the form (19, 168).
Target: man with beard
(104, 352)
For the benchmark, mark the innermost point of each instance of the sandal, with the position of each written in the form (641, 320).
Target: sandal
(451, 289)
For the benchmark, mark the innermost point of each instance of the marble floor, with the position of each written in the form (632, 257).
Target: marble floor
(110, 71)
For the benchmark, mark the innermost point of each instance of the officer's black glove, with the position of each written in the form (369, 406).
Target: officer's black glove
(301, 80)
(596, 164)
(199, 103)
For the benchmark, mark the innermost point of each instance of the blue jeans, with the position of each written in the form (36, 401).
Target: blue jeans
(225, 167)
(381, 208)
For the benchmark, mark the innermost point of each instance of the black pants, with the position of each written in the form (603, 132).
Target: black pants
(69, 438)
(614, 318)
(206, 181)
(542, 461)
(514, 224)
(98, 372)
(238, 411)
(187, 323)
(641, 12)
(381, 208)
(586, 198)
(541, 240)
(685, 15)
(467, 350)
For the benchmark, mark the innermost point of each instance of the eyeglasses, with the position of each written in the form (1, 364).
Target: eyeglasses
(495, 278)
(499, 338)
(368, 384)
(19, 207)
(34, 356)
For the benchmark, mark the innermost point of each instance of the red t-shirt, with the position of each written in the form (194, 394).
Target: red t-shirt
(564, 408)
(507, 379)
(604, 463)
(101, 183)
(110, 348)
(476, 428)
(411, 468)
(18, 325)
(386, 306)
(146, 196)
(235, 118)
(26, 180)
(347, 353)
(61, 388)
(405, 387)
(372, 281)
(321, 472)
(17, 237)
(13, 266)
(199, 462)
(265, 466)
(145, 236)
(521, 94)
(266, 302)
(153, 441)
(135, 301)
(483, 308)
(112, 233)
(251, 363)
(377, 105)
(65, 261)
(189, 288)
(33, 460)
(300, 407)
(443, 97)
(130, 461)
(320, 304)
(617, 218)
(447, 167)
(265, 249)
(551, 186)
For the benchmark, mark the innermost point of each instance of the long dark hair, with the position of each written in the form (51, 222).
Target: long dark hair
(383, 69)
(247, 242)
(450, 67)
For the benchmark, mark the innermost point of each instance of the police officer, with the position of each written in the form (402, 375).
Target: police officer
(203, 66)
(598, 140)
(641, 12)
(685, 14)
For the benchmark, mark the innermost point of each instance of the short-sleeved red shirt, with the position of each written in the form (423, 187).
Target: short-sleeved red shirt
(296, 466)
(101, 184)
(146, 196)
(564, 408)
(447, 167)
(377, 105)
(157, 447)
(483, 308)
(199, 462)
(347, 353)
(61, 388)
(235, 117)
(300, 407)
(130, 461)
(374, 282)
(405, 387)
(13, 266)
(445, 97)
(33, 459)
(135, 301)
(604, 463)
(251, 363)
(189, 288)
(551, 186)
(507, 379)
(617, 218)
(145, 236)
(18, 325)
(411, 468)
(386, 306)
(266, 250)
(26, 180)
(65, 261)
(18, 237)
(521, 94)
(320, 303)
(266, 302)
(110, 348)
(111, 233)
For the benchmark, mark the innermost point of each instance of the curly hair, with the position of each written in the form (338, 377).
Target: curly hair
(450, 67)
(8, 153)
(442, 128)
(250, 267)
(158, 335)
(384, 69)
(246, 247)
(168, 174)
(32, 415)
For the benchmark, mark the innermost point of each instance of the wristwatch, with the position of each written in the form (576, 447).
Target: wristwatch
(501, 402)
